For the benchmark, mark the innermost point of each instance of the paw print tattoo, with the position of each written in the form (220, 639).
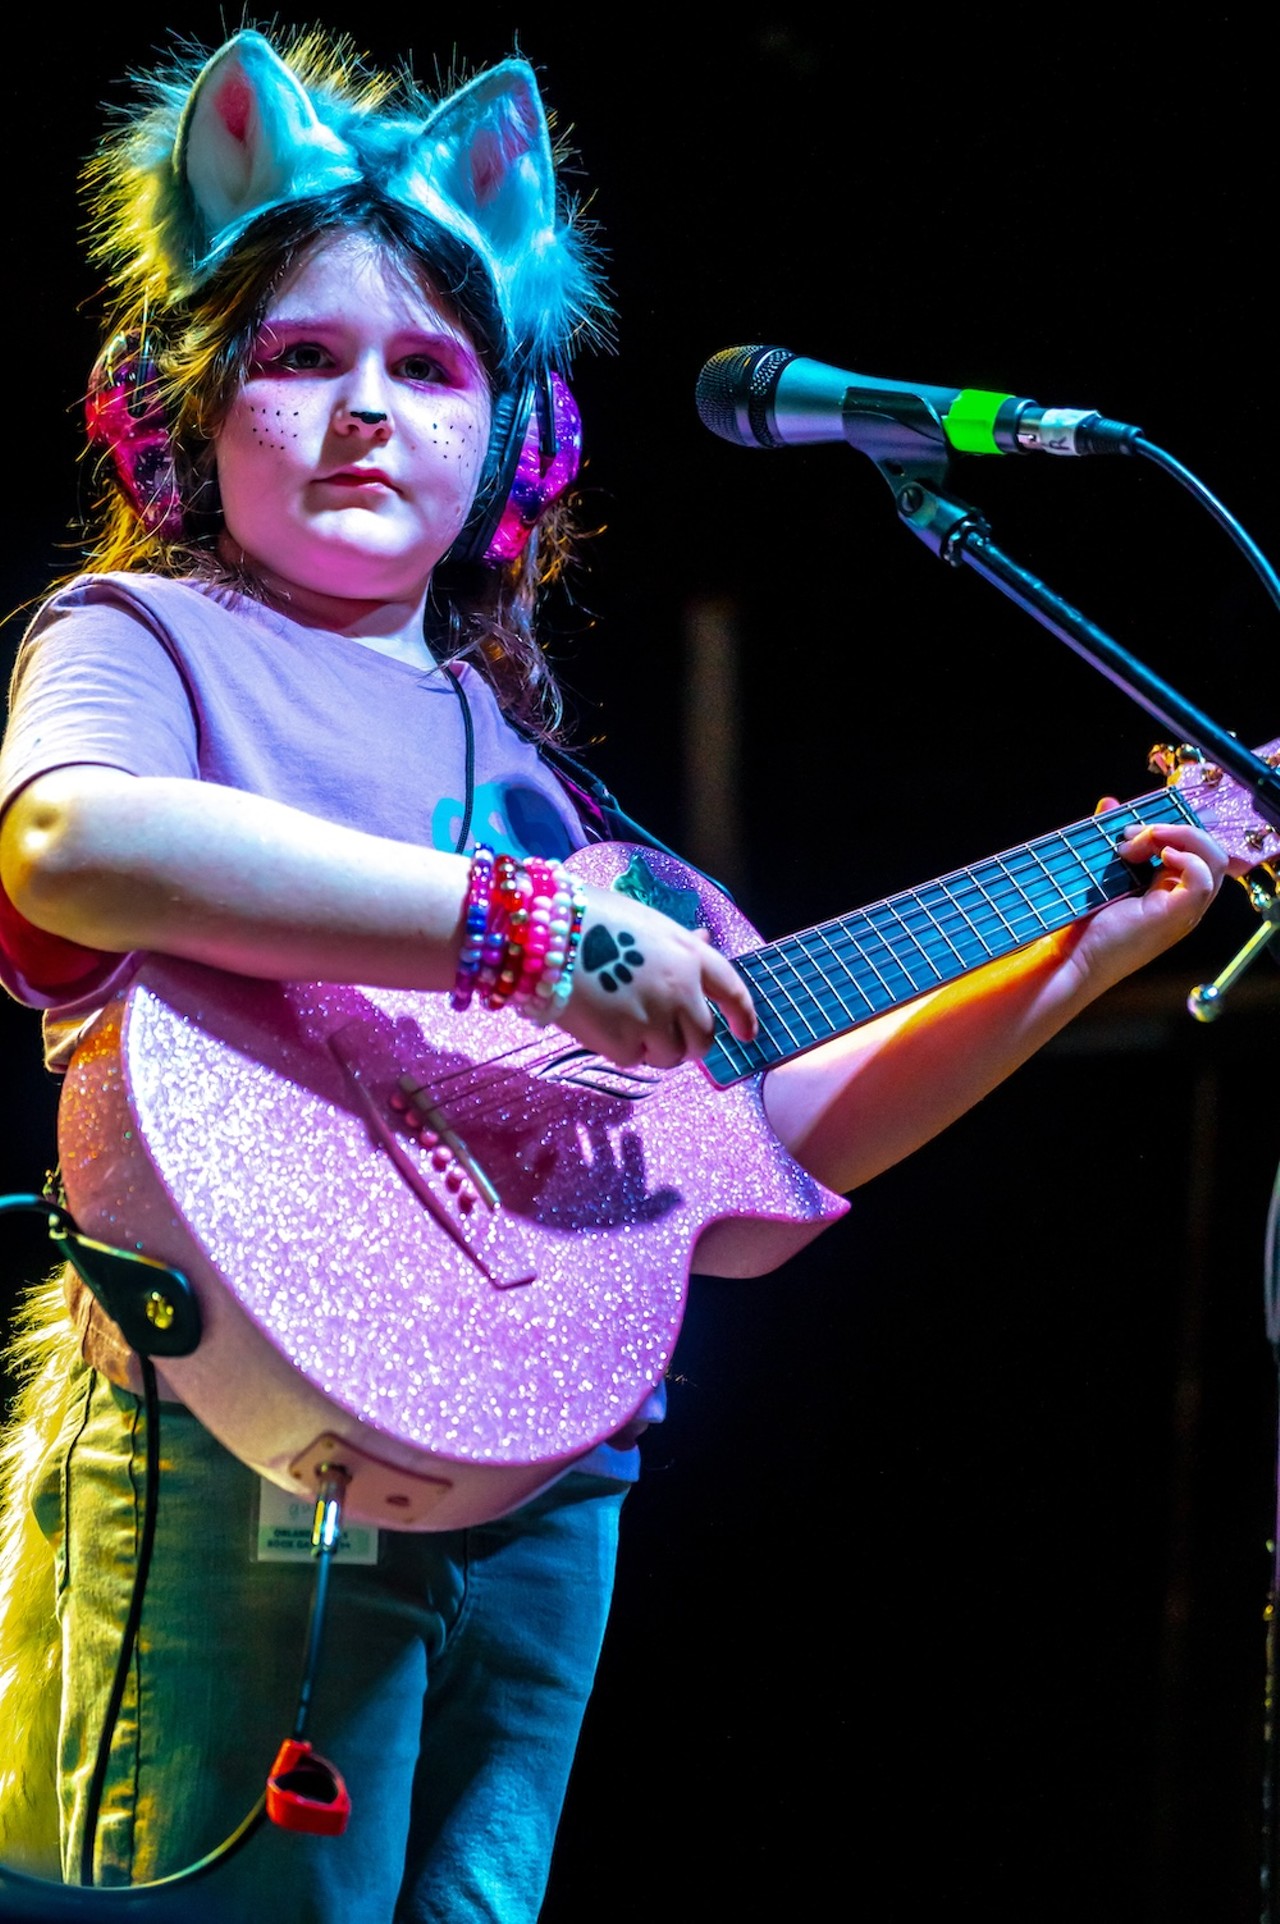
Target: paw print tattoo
(614, 961)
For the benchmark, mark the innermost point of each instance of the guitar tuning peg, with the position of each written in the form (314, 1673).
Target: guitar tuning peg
(1205, 1001)
(1261, 886)
(1166, 758)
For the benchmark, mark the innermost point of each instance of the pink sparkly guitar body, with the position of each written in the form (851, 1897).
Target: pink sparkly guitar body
(451, 1251)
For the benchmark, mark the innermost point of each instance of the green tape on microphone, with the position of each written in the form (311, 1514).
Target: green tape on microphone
(970, 421)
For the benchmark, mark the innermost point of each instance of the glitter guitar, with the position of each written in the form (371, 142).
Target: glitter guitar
(451, 1251)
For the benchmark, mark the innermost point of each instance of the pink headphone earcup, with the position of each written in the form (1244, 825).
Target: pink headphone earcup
(124, 414)
(548, 463)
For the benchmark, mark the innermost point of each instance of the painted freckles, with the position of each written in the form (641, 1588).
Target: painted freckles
(349, 459)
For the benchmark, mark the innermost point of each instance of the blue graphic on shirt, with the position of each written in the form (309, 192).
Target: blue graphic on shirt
(513, 818)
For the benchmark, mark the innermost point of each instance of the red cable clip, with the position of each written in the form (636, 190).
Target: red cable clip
(305, 1792)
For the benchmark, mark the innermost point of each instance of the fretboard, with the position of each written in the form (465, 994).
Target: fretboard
(826, 980)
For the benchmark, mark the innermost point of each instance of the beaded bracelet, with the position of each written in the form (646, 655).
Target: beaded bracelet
(553, 989)
(545, 882)
(521, 933)
(504, 897)
(479, 892)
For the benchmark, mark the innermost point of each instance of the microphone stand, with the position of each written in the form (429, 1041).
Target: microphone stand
(905, 439)
(908, 446)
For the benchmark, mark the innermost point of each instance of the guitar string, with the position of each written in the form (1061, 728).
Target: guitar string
(784, 972)
(936, 956)
(1064, 858)
(1039, 892)
(1035, 896)
(1041, 883)
(943, 955)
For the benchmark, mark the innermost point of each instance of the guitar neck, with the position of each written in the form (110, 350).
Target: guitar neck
(826, 980)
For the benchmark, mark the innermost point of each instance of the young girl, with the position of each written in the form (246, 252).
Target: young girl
(287, 725)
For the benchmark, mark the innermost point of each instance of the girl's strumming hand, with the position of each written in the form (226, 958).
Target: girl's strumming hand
(643, 987)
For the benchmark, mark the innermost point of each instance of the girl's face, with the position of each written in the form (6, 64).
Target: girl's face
(351, 455)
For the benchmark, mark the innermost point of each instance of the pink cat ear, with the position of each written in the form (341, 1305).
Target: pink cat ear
(250, 138)
(491, 147)
(485, 155)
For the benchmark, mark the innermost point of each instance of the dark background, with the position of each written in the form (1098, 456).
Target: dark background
(945, 1584)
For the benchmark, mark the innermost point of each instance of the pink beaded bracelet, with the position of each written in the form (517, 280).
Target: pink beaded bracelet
(479, 895)
(544, 878)
(552, 992)
(521, 930)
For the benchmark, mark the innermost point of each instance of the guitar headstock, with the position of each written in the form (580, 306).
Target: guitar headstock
(1223, 806)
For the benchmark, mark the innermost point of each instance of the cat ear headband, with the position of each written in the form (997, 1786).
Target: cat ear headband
(249, 131)
(225, 142)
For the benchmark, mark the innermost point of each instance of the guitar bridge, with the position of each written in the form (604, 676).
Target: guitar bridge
(447, 1179)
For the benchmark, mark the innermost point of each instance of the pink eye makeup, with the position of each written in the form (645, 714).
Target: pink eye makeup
(286, 348)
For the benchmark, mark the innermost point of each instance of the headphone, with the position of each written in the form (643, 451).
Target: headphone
(534, 453)
(124, 413)
(533, 457)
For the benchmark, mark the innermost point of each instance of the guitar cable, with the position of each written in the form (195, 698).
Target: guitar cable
(303, 1792)
(1253, 554)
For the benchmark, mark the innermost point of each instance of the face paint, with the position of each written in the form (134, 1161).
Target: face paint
(351, 455)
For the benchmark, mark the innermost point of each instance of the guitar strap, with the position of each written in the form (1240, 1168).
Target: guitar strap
(597, 808)
(600, 811)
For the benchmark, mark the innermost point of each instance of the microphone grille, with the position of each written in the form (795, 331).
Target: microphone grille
(735, 392)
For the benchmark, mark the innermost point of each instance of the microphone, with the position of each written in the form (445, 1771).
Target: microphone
(767, 397)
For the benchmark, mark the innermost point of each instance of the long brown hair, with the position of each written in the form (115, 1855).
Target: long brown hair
(202, 345)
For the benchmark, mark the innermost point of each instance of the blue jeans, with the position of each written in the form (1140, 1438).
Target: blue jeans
(455, 1674)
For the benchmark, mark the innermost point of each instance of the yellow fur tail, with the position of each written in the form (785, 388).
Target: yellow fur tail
(43, 1353)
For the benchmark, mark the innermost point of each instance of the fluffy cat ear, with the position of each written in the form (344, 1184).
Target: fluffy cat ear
(485, 153)
(218, 143)
(249, 138)
(483, 166)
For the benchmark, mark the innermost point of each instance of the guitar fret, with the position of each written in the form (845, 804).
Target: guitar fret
(828, 983)
(862, 954)
(943, 954)
(1063, 843)
(1045, 882)
(759, 961)
(1007, 905)
(741, 1058)
(1028, 897)
(982, 910)
(868, 957)
(937, 891)
(833, 1012)
(999, 916)
(772, 1045)
(898, 930)
(832, 977)
(1069, 864)
(775, 1037)
(842, 962)
(1024, 878)
(972, 930)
